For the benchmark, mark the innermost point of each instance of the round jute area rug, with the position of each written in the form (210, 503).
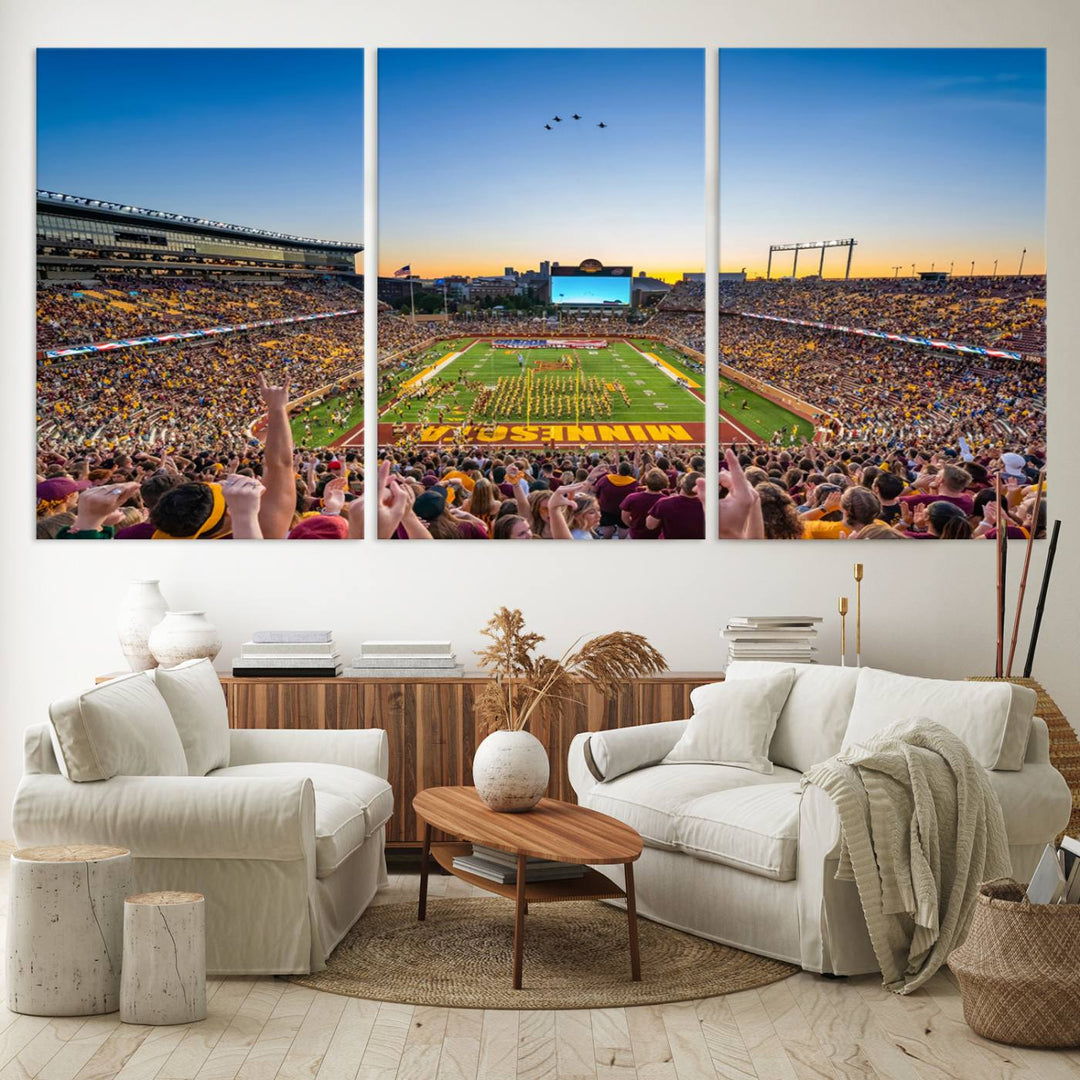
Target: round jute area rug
(577, 956)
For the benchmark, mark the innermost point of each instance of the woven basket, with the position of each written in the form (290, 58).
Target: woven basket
(1019, 969)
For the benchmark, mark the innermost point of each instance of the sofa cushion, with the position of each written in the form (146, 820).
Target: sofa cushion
(654, 800)
(751, 828)
(119, 728)
(733, 722)
(811, 725)
(193, 693)
(992, 719)
(366, 792)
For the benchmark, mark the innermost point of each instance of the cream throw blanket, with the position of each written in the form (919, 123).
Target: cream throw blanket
(920, 830)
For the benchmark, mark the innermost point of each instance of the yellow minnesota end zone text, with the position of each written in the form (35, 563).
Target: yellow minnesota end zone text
(560, 433)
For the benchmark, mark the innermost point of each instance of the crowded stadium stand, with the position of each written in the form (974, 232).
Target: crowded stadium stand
(155, 331)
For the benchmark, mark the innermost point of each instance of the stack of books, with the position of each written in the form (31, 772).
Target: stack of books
(787, 639)
(405, 660)
(291, 653)
(1057, 877)
(501, 866)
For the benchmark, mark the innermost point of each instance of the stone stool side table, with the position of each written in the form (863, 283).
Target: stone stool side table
(164, 979)
(65, 928)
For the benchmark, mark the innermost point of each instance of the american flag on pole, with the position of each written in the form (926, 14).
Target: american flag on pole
(404, 271)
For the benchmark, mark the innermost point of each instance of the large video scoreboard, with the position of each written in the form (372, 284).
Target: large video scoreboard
(591, 285)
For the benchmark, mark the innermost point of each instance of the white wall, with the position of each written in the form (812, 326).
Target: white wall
(927, 610)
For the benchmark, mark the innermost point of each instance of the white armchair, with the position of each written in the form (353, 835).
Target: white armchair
(286, 841)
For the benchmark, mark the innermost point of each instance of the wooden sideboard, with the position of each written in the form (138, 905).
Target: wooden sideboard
(431, 726)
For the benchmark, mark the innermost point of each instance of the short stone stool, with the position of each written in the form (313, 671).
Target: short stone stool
(65, 929)
(164, 980)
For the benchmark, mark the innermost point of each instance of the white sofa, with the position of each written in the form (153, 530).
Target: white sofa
(282, 831)
(742, 857)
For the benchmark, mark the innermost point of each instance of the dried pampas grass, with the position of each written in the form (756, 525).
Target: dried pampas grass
(522, 680)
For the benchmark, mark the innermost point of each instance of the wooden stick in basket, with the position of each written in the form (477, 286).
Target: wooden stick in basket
(1037, 625)
(1034, 528)
(999, 570)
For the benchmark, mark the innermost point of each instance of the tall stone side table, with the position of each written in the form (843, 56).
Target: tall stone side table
(164, 980)
(65, 929)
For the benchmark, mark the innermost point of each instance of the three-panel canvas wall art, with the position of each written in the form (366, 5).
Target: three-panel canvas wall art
(545, 367)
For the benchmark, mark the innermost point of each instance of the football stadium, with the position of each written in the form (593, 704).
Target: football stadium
(154, 330)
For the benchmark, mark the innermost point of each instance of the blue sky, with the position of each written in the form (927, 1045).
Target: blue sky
(266, 137)
(470, 182)
(923, 155)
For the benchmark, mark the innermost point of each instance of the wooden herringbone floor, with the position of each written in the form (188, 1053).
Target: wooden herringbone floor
(262, 1029)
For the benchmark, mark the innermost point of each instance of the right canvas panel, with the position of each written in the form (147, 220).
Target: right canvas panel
(882, 293)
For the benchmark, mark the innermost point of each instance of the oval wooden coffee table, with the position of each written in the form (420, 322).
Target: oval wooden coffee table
(553, 830)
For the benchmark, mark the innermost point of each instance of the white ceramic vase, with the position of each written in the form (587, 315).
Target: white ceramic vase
(184, 635)
(142, 609)
(510, 771)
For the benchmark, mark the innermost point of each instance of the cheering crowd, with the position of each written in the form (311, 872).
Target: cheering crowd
(890, 392)
(121, 307)
(189, 396)
(479, 493)
(869, 492)
(991, 312)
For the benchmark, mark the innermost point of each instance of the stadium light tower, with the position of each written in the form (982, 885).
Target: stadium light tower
(896, 270)
(912, 269)
(811, 245)
(995, 267)
(950, 267)
(972, 274)
(1021, 270)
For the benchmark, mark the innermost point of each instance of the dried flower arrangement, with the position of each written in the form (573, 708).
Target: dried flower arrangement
(523, 680)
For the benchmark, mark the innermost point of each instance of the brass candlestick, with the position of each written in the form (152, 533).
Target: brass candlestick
(858, 614)
(841, 606)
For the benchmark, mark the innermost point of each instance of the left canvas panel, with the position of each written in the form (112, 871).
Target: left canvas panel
(200, 294)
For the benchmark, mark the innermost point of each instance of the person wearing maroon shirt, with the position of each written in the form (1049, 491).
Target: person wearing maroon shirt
(610, 490)
(636, 506)
(952, 488)
(680, 516)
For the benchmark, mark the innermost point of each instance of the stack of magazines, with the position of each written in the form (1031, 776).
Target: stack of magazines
(501, 866)
(1057, 877)
(289, 653)
(405, 660)
(787, 639)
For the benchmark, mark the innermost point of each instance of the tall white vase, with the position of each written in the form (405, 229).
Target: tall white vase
(510, 771)
(142, 609)
(184, 635)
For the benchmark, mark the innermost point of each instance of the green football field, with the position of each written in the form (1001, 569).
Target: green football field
(760, 418)
(614, 383)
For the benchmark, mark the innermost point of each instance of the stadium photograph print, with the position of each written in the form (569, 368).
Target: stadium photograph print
(541, 294)
(882, 294)
(199, 311)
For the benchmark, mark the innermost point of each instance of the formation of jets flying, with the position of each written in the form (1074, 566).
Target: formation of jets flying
(574, 116)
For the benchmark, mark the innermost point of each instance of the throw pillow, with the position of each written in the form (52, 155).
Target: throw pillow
(733, 722)
(194, 696)
(121, 728)
(992, 719)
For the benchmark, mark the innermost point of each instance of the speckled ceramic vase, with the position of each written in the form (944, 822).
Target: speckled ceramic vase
(184, 635)
(510, 771)
(143, 608)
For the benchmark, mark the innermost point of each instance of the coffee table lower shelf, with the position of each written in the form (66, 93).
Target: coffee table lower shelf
(591, 886)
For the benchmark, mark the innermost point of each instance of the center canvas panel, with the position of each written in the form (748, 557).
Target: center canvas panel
(541, 294)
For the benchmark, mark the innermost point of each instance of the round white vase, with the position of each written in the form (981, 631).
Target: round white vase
(510, 771)
(184, 635)
(142, 609)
